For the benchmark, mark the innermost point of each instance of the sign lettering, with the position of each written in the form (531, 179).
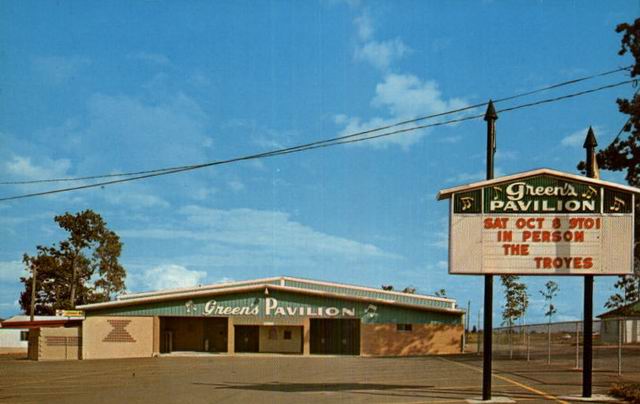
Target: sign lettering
(273, 308)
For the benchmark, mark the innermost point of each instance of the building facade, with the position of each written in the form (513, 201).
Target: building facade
(13, 340)
(273, 315)
(621, 325)
(45, 338)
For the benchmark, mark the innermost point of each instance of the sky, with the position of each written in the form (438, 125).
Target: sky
(90, 87)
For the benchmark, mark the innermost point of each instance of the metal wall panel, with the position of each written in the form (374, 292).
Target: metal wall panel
(367, 313)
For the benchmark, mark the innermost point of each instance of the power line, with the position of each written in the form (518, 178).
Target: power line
(361, 133)
(353, 138)
(289, 150)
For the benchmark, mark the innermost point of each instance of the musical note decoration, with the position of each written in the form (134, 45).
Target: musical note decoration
(191, 307)
(497, 191)
(590, 193)
(467, 203)
(618, 204)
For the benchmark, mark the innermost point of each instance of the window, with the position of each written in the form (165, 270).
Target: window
(404, 327)
(287, 334)
(24, 335)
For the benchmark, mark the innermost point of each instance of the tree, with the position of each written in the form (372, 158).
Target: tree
(516, 300)
(82, 269)
(516, 303)
(441, 293)
(623, 154)
(550, 291)
(629, 289)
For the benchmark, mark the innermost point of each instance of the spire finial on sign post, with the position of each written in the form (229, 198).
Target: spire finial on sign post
(590, 144)
(491, 112)
(490, 116)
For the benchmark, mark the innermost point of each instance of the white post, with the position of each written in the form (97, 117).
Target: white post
(478, 333)
(577, 344)
(548, 343)
(528, 341)
(620, 336)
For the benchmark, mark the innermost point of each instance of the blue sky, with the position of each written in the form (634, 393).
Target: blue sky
(106, 87)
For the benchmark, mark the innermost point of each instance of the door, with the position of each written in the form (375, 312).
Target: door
(247, 338)
(335, 336)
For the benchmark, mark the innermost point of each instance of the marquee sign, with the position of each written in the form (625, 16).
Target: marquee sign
(541, 222)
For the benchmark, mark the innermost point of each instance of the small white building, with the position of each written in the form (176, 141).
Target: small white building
(623, 321)
(13, 340)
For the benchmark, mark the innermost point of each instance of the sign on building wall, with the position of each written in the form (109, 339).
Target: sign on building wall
(541, 222)
(273, 308)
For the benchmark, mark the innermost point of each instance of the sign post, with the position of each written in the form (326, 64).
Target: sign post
(587, 353)
(487, 354)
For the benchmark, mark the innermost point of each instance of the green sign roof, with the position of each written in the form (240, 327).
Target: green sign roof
(541, 191)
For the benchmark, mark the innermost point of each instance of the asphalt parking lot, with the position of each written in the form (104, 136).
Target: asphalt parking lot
(289, 379)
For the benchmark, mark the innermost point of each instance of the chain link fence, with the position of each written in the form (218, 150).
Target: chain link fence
(616, 343)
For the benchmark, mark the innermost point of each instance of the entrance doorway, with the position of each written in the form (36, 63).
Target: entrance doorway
(247, 338)
(193, 334)
(335, 336)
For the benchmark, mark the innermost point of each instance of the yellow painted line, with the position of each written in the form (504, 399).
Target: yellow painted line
(506, 379)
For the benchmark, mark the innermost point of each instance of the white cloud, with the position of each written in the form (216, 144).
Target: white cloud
(59, 69)
(402, 96)
(576, 139)
(134, 197)
(22, 168)
(381, 54)
(126, 126)
(466, 177)
(441, 240)
(169, 276)
(238, 239)
(203, 193)
(271, 229)
(364, 26)
(11, 271)
(405, 95)
(151, 58)
(199, 79)
(506, 155)
(236, 186)
(450, 139)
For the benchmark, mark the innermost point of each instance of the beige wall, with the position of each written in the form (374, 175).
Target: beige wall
(424, 339)
(281, 345)
(117, 337)
(156, 335)
(306, 338)
(55, 343)
(231, 337)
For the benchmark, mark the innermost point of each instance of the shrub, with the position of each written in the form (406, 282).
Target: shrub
(626, 391)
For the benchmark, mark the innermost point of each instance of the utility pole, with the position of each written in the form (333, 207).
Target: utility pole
(34, 274)
(590, 144)
(490, 116)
